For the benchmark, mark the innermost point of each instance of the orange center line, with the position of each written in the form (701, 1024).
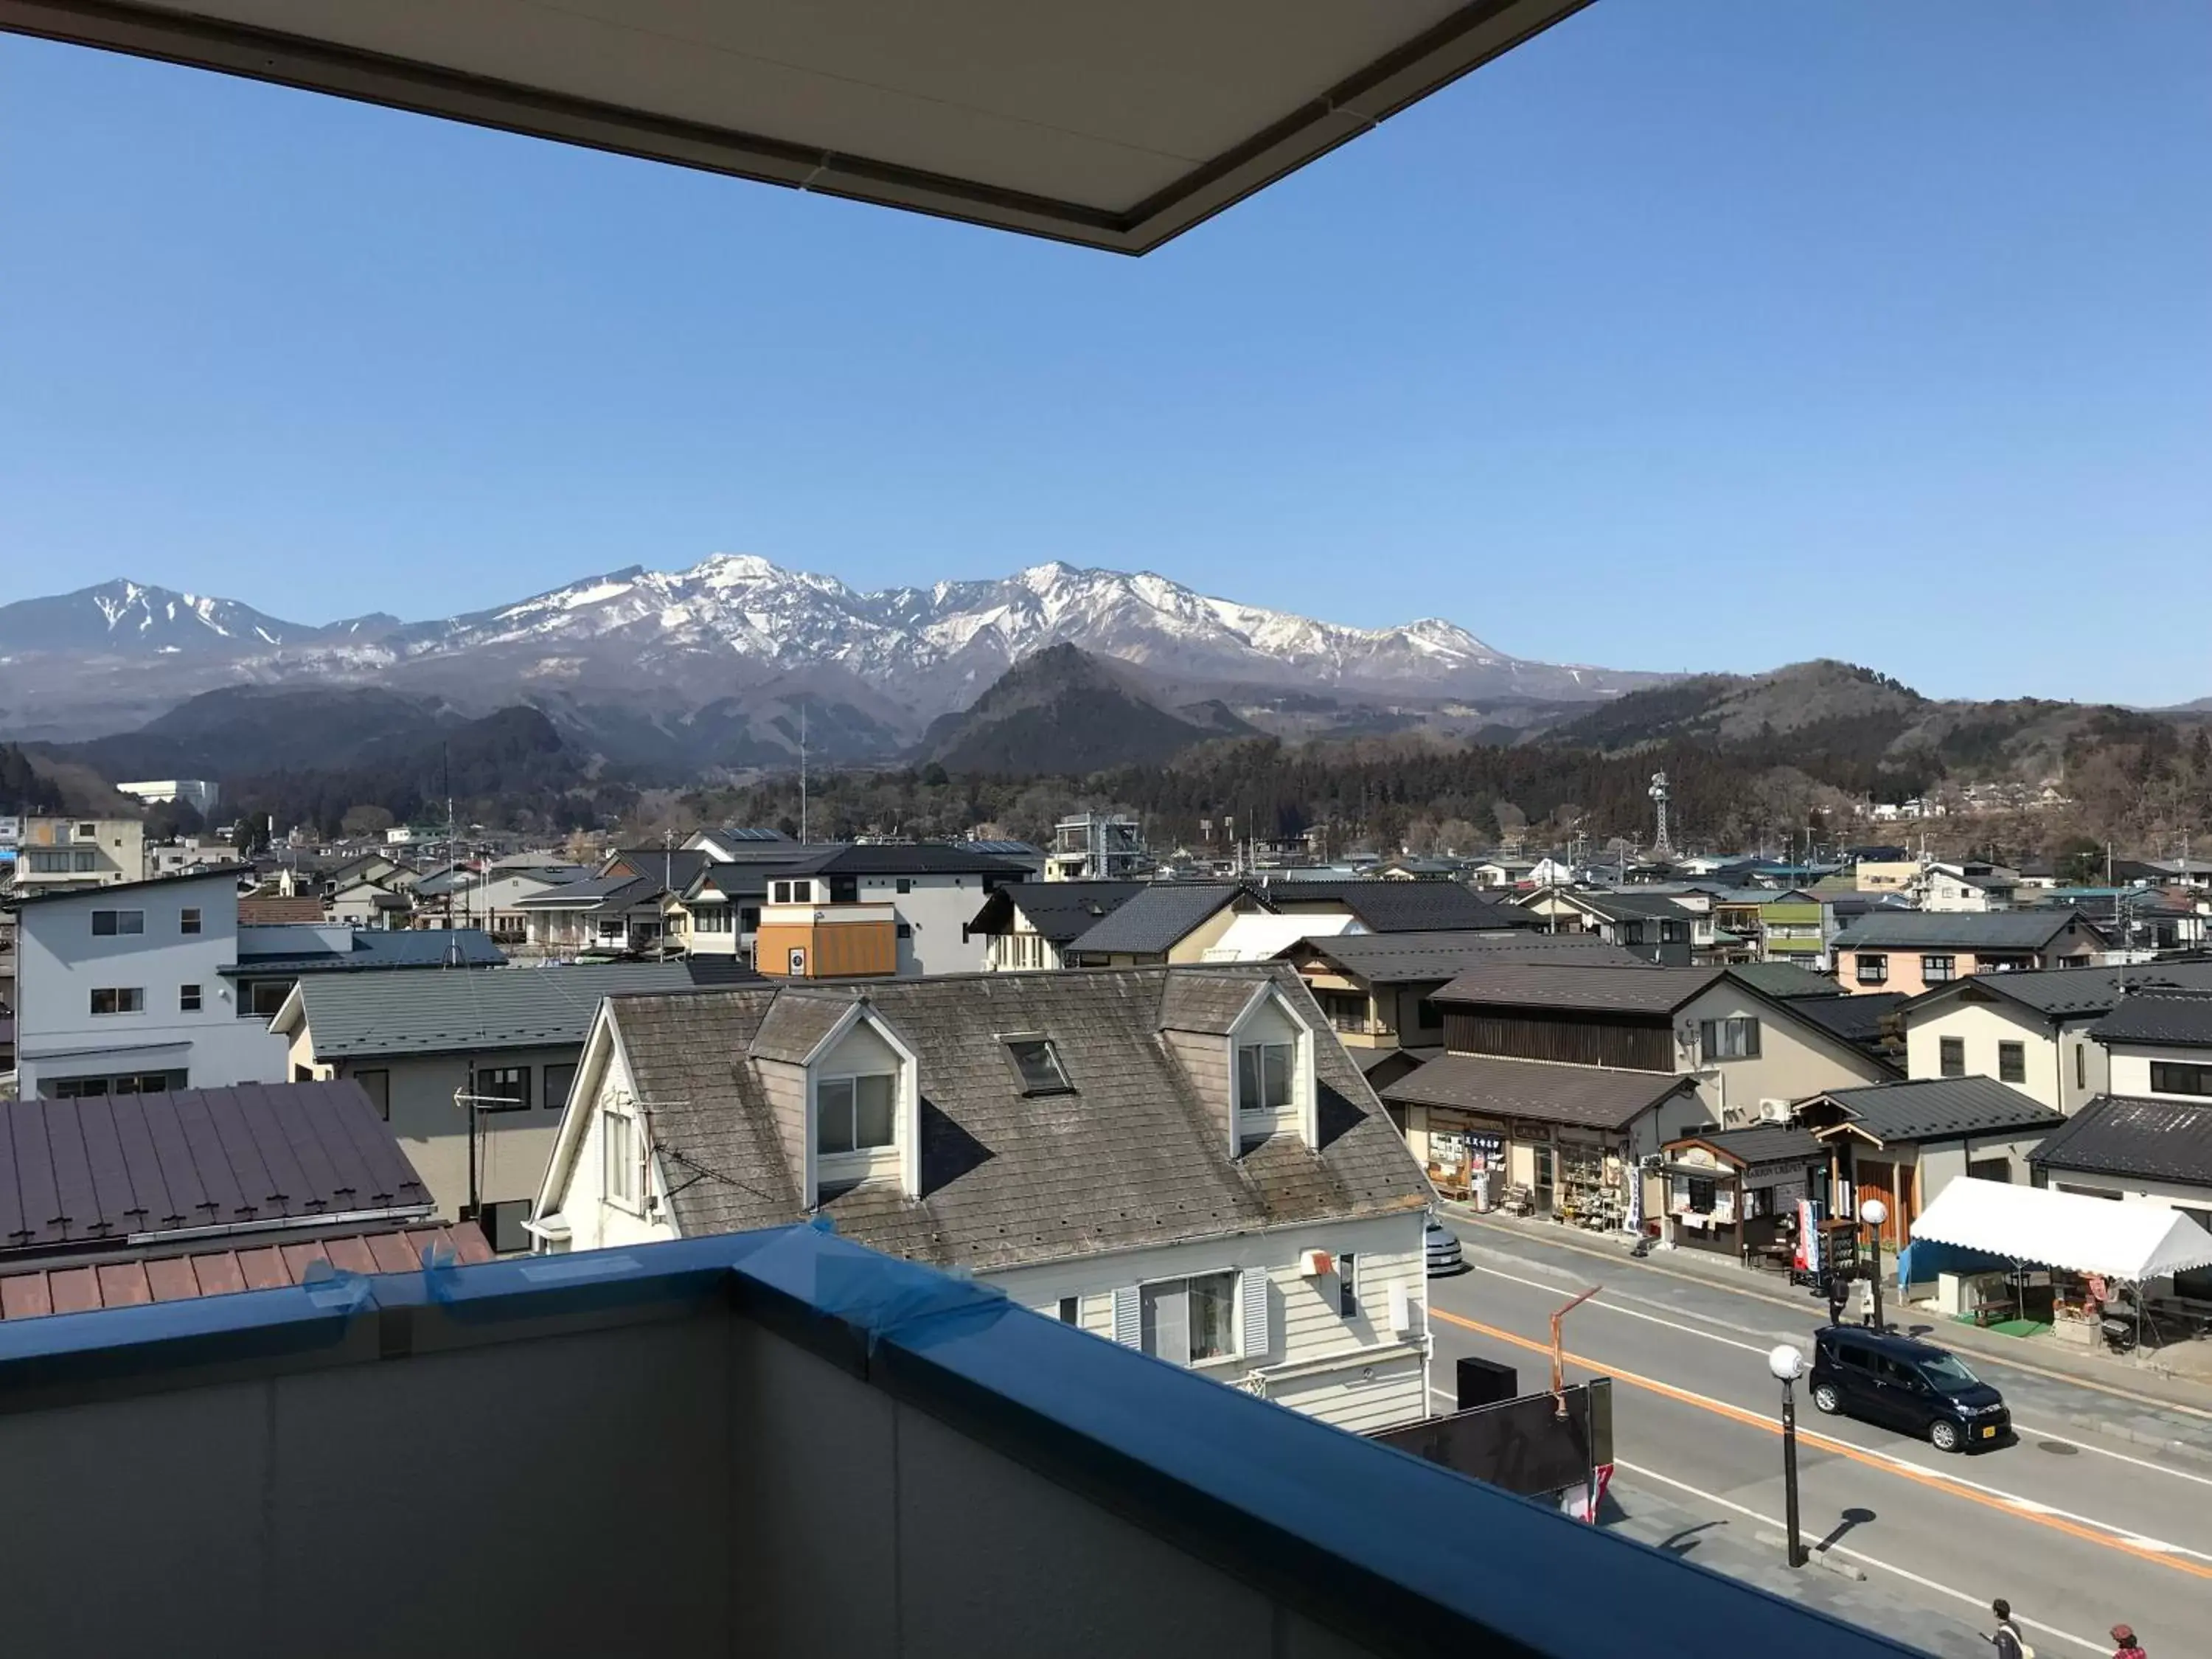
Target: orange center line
(1813, 1437)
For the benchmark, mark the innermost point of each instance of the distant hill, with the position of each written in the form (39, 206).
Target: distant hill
(1850, 726)
(1064, 711)
(240, 730)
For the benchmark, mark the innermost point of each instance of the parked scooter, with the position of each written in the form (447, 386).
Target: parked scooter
(2120, 1321)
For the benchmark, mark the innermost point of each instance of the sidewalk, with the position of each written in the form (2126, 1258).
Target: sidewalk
(2092, 1390)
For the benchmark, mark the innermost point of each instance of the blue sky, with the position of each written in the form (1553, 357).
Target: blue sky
(1691, 335)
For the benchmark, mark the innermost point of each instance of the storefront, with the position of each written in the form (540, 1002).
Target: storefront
(1736, 1192)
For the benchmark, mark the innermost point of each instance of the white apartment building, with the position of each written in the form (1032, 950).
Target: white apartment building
(54, 855)
(198, 793)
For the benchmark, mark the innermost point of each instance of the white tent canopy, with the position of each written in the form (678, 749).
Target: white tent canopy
(2121, 1240)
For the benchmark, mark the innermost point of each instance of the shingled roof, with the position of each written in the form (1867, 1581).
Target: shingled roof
(1941, 1109)
(1133, 1155)
(2126, 1135)
(1636, 990)
(1058, 911)
(1152, 922)
(1400, 907)
(1444, 953)
(1958, 930)
(2072, 992)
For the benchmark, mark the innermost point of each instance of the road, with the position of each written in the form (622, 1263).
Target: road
(2079, 1528)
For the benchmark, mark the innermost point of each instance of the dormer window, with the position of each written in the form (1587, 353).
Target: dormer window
(855, 1114)
(1037, 1064)
(1264, 1071)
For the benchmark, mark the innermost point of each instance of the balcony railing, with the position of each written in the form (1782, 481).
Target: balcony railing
(771, 1444)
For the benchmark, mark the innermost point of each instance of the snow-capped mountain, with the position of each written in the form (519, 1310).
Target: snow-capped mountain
(126, 618)
(738, 626)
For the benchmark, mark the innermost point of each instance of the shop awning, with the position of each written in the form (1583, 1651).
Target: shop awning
(1116, 126)
(2117, 1238)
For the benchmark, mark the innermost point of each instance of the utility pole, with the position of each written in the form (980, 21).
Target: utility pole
(802, 772)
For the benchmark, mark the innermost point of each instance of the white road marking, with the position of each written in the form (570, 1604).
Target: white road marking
(2019, 1427)
(1978, 1603)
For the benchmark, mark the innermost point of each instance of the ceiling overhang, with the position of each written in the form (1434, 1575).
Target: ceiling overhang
(1115, 126)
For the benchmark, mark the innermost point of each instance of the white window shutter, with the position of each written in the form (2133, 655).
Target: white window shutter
(1252, 1318)
(1128, 1317)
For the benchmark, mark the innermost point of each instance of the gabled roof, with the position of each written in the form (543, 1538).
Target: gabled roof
(2072, 992)
(1440, 954)
(1153, 921)
(1133, 1155)
(1785, 982)
(1209, 1004)
(1400, 907)
(1963, 930)
(1857, 1020)
(1615, 905)
(108, 1168)
(1590, 1096)
(1757, 1143)
(1636, 990)
(592, 894)
(1057, 911)
(376, 948)
(214, 872)
(2125, 1135)
(2178, 1020)
(675, 868)
(353, 1015)
(1939, 1109)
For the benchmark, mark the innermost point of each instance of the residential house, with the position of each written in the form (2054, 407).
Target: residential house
(1975, 885)
(1574, 1137)
(1751, 1053)
(1898, 875)
(1378, 990)
(368, 904)
(1181, 1160)
(1653, 926)
(2141, 1151)
(1393, 906)
(177, 858)
(2157, 1043)
(56, 854)
(1505, 871)
(604, 916)
(1792, 928)
(427, 1047)
(1027, 925)
(271, 960)
(1097, 847)
(870, 910)
(741, 844)
(1904, 1142)
(2034, 1030)
(181, 1193)
(125, 989)
(2142, 921)
(1912, 950)
(1168, 922)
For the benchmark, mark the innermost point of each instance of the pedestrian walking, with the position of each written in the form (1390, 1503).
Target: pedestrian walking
(2008, 1641)
(2125, 1645)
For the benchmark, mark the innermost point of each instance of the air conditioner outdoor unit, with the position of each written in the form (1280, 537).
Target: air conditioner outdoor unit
(1776, 1111)
(1315, 1264)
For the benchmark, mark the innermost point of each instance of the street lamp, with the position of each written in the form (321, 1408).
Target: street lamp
(1874, 1212)
(1787, 1364)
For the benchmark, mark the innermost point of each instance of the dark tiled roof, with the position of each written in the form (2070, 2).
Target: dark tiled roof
(1399, 907)
(675, 868)
(1056, 910)
(354, 1015)
(139, 1280)
(1441, 954)
(1132, 1157)
(1151, 922)
(383, 947)
(2070, 992)
(578, 894)
(82, 1171)
(1760, 1143)
(1590, 1095)
(719, 970)
(904, 859)
(1636, 990)
(1784, 981)
(1937, 1109)
(1962, 930)
(1856, 1020)
(231, 872)
(2124, 1135)
(2181, 1021)
(1627, 907)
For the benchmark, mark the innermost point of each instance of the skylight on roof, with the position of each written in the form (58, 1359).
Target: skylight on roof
(1037, 1063)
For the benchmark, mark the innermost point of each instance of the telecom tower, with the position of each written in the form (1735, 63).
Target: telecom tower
(1658, 792)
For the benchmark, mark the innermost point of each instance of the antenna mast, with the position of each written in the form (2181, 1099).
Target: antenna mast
(1661, 845)
(802, 771)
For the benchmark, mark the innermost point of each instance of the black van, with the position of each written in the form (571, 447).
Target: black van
(1904, 1384)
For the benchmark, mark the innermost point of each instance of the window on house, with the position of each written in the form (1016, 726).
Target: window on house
(501, 1089)
(854, 1114)
(2080, 1065)
(1347, 1286)
(1263, 1076)
(120, 999)
(1873, 970)
(1936, 969)
(502, 1225)
(188, 921)
(1070, 1311)
(749, 919)
(844, 890)
(265, 996)
(2012, 1062)
(906, 883)
(1951, 1056)
(377, 1085)
(618, 1157)
(303, 1074)
(1704, 1193)
(904, 930)
(1729, 1039)
(84, 860)
(2172, 1077)
(559, 1080)
(1184, 1320)
(107, 924)
(1990, 1169)
(188, 998)
(88, 832)
(779, 892)
(1428, 1015)
(1037, 1062)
